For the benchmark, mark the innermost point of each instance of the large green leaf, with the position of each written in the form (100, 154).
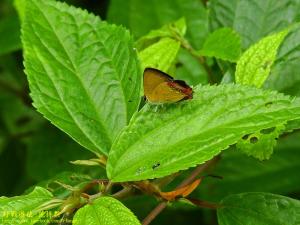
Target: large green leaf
(105, 211)
(223, 43)
(9, 34)
(253, 19)
(285, 75)
(182, 135)
(259, 209)
(20, 209)
(83, 73)
(141, 17)
(242, 174)
(254, 66)
(222, 13)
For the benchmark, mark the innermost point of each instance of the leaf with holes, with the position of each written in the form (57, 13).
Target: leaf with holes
(105, 210)
(188, 133)
(260, 144)
(254, 66)
(260, 209)
(83, 74)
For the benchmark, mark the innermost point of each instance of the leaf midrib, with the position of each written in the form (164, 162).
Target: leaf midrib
(167, 122)
(74, 73)
(56, 90)
(207, 130)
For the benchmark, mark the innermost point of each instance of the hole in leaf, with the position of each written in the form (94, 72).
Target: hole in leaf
(268, 104)
(268, 130)
(155, 165)
(245, 137)
(253, 140)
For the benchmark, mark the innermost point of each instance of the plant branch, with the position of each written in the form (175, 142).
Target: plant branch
(161, 206)
(125, 192)
(199, 169)
(154, 213)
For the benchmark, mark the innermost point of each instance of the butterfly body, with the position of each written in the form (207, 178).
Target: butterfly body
(160, 88)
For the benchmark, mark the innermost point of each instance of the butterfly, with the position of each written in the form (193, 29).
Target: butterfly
(160, 87)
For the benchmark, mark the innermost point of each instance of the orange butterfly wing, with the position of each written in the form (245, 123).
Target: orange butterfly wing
(159, 87)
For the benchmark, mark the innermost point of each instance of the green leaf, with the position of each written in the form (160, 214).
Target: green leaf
(222, 13)
(83, 74)
(285, 75)
(160, 55)
(189, 69)
(105, 211)
(256, 19)
(188, 133)
(12, 209)
(9, 35)
(140, 18)
(242, 174)
(292, 125)
(260, 209)
(170, 30)
(260, 144)
(223, 43)
(228, 77)
(70, 178)
(253, 19)
(254, 66)
(20, 7)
